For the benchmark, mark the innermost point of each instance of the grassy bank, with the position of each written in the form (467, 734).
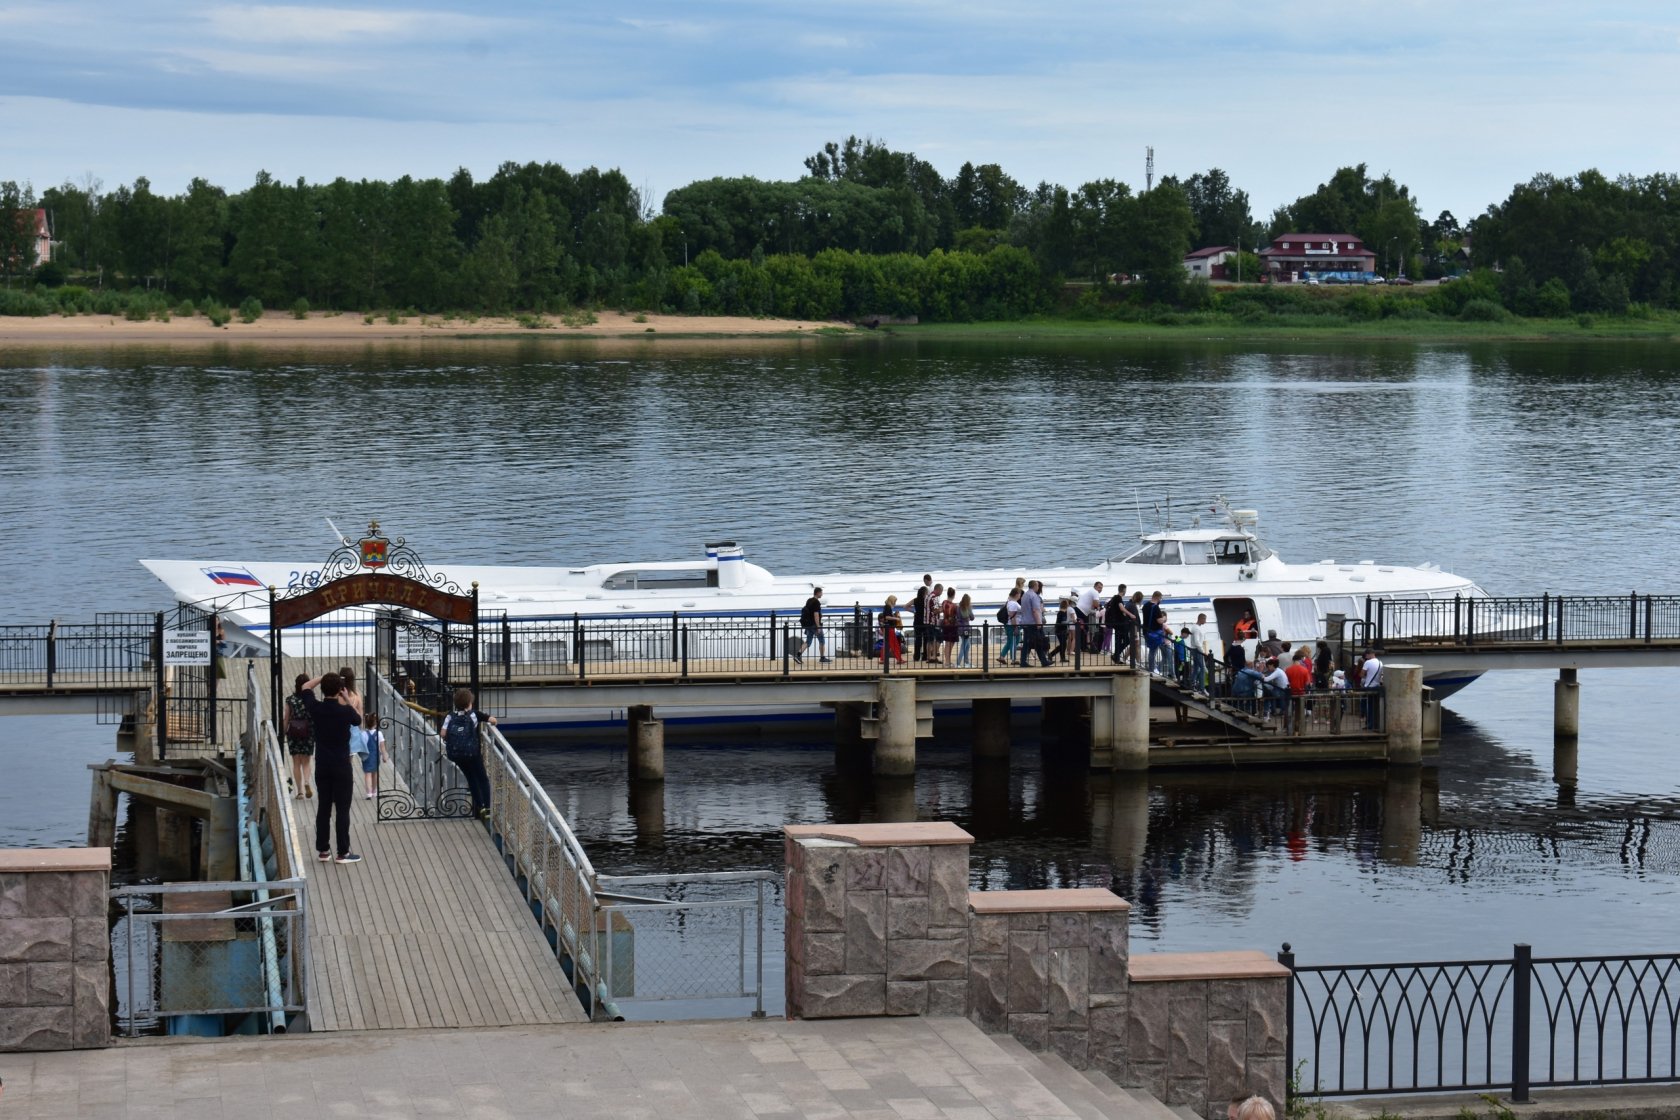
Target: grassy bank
(1214, 325)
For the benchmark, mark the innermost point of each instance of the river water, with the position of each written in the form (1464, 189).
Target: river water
(1530, 468)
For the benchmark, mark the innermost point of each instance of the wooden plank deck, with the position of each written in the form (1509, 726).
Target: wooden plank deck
(429, 930)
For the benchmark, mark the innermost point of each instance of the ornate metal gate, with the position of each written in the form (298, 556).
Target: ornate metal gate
(375, 604)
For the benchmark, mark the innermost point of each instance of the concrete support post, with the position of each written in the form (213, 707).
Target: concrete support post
(1102, 731)
(1403, 708)
(991, 728)
(1402, 820)
(1566, 706)
(647, 756)
(1130, 697)
(1431, 716)
(102, 809)
(633, 717)
(175, 846)
(895, 726)
(848, 725)
(1128, 830)
(647, 806)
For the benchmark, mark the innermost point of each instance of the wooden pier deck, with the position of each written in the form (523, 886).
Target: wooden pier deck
(428, 930)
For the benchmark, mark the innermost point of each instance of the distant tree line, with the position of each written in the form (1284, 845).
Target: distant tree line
(866, 230)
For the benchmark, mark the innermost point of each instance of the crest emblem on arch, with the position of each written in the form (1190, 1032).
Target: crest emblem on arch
(375, 549)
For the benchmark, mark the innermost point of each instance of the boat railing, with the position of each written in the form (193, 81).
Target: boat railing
(1536, 619)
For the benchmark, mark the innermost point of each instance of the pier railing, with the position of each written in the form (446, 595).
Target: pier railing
(1516, 1023)
(1538, 619)
(689, 646)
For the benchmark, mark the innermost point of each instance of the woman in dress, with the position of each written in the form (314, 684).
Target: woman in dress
(300, 740)
(892, 646)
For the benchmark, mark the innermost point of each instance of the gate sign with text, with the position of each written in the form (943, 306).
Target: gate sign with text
(375, 570)
(186, 647)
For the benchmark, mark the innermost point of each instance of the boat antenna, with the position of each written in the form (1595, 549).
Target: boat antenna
(1137, 503)
(338, 536)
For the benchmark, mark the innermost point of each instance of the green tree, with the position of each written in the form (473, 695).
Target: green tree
(17, 230)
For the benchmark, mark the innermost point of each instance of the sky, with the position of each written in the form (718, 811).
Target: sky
(1459, 100)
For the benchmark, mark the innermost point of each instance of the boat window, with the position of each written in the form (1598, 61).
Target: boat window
(1230, 551)
(1345, 605)
(1197, 552)
(645, 579)
(1155, 552)
(1298, 619)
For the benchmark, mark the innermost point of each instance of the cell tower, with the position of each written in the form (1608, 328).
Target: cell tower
(1149, 169)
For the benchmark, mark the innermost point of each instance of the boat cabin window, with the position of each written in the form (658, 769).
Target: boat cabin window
(1155, 552)
(1231, 551)
(650, 579)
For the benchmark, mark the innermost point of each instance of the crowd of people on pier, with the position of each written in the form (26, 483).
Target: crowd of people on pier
(332, 735)
(938, 626)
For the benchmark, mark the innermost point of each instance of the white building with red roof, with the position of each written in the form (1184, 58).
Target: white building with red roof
(1292, 255)
(1209, 263)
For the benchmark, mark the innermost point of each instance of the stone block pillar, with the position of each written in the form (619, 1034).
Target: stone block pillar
(877, 919)
(1049, 968)
(1204, 1027)
(55, 949)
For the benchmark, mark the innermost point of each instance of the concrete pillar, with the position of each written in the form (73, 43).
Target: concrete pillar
(102, 809)
(1403, 708)
(895, 726)
(991, 728)
(848, 727)
(1431, 717)
(1566, 761)
(647, 755)
(989, 797)
(1402, 820)
(1566, 706)
(1130, 695)
(1102, 732)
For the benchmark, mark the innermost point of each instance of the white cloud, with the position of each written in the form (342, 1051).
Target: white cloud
(287, 23)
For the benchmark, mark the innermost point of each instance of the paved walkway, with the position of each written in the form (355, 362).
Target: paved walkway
(429, 930)
(870, 1069)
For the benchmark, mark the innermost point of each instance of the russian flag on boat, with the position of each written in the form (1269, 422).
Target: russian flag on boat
(231, 577)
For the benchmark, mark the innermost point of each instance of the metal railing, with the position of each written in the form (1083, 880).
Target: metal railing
(1555, 619)
(193, 957)
(686, 937)
(689, 645)
(1520, 1023)
(1317, 711)
(419, 781)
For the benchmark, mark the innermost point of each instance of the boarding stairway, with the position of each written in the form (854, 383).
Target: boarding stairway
(1163, 690)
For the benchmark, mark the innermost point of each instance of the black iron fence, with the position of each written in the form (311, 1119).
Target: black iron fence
(1516, 1023)
(1553, 619)
(774, 643)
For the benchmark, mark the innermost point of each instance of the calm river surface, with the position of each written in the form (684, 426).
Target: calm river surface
(1529, 468)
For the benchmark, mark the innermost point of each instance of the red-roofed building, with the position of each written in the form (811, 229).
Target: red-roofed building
(43, 238)
(1208, 263)
(1290, 255)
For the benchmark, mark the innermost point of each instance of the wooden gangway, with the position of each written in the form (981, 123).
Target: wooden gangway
(429, 930)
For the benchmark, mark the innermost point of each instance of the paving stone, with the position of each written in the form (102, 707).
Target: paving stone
(1073, 1047)
(1032, 1029)
(947, 997)
(832, 997)
(907, 997)
(37, 1028)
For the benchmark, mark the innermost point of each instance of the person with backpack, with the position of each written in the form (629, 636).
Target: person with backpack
(333, 719)
(300, 741)
(462, 731)
(1010, 616)
(810, 620)
(373, 753)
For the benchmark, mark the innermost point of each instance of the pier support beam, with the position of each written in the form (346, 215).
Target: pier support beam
(1403, 704)
(647, 754)
(102, 809)
(895, 726)
(991, 728)
(1566, 705)
(1129, 696)
(174, 846)
(647, 806)
(895, 799)
(850, 747)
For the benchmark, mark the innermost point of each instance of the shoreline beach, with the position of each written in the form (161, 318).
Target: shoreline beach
(348, 328)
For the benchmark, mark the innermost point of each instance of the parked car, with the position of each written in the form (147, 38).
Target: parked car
(1375, 279)
(1402, 281)
(1309, 278)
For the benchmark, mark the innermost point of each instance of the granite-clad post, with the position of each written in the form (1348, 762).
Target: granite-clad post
(877, 919)
(1206, 1027)
(55, 949)
(1049, 969)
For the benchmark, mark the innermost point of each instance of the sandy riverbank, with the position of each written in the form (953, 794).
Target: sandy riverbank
(332, 329)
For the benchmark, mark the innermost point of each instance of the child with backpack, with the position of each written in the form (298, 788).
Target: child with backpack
(373, 753)
(461, 730)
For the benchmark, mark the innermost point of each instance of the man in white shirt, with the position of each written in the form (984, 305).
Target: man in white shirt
(1370, 678)
(1088, 604)
(1193, 650)
(1212, 653)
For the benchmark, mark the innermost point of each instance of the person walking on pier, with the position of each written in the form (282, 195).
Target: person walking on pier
(1089, 607)
(948, 627)
(810, 619)
(1011, 616)
(333, 718)
(918, 616)
(965, 629)
(462, 733)
(1300, 679)
(1032, 624)
(1370, 679)
(375, 753)
(1064, 630)
(929, 619)
(347, 681)
(300, 740)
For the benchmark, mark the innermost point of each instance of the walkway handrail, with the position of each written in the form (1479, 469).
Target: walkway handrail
(1531, 619)
(557, 874)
